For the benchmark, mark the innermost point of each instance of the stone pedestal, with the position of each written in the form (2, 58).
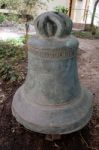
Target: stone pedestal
(51, 100)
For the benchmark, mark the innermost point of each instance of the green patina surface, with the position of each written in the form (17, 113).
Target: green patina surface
(51, 100)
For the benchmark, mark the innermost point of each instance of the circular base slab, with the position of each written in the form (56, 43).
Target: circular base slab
(59, 119)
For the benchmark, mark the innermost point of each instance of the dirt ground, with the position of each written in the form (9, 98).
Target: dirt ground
(13, 136)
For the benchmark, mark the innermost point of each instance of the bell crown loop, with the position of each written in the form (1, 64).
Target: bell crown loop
(51, 24)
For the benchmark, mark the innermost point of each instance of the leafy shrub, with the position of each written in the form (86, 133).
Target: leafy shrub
(11, 54)
(9, 17)
(11, 48)
(82, 34)
(2, 18)
(13, 17)
(7, 72)
(61, 9)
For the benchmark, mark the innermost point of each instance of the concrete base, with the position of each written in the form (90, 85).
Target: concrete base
(53, 119)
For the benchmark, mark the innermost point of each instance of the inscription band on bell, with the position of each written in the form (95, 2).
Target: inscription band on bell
(50, 53)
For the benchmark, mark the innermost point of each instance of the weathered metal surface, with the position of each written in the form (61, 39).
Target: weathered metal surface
(51, 100)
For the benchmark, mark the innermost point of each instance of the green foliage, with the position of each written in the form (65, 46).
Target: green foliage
(2, 18)
(97, 32)
(90, 33)
(11, 53)
(93, 29)
(22, 6)
(82, 34)
(61, 9)
(12, 17)
(97, 35)
(16, 42)
(7, 72)
(9, 17)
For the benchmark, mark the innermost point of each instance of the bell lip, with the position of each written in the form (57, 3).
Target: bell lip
(61, 129)
(23, 123)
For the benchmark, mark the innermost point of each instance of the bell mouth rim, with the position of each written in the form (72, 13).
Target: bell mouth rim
(52, 120)
(44, 130)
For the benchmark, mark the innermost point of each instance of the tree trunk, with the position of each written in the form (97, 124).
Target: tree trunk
(93, 14)
(27, 30)
(70, 8)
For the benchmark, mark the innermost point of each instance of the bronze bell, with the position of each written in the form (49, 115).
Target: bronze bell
(51, 100)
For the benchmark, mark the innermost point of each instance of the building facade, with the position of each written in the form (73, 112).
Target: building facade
(80, 10)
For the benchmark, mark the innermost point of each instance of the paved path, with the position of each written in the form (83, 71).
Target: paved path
(14, 32)
(88, 62)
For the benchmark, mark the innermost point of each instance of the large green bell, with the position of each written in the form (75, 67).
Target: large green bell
(51, 100)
